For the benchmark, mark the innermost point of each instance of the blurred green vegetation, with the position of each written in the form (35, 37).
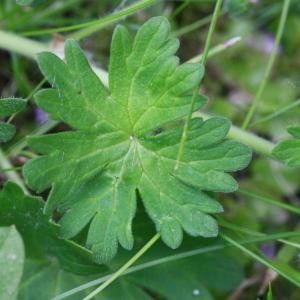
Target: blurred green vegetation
(231, 80)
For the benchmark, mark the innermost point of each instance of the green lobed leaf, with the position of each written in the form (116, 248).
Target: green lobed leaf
(236, 7)
(52, 266)
(10, 106)
(41, 236)
(11, 262)
(120, 145)
(7, 131)
(289, 151)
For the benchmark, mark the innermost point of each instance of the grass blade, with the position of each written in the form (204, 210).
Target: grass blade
(281, 268)
(271, 201)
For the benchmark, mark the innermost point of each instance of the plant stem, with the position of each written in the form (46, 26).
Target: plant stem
(240, 229)
(217, 49)
(211, 30)
(21, 45)
(30, 95)
(204, 56)
(130, 262)
(277, 267)
(22, 143)
(271, 201)
(270, 64)
(276, 114)
(182, 6)
(255, 142)
(93, 26)
(193, 26)
(13, 175)
(190, 27)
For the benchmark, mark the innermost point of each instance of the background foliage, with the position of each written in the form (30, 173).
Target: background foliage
(265, 208)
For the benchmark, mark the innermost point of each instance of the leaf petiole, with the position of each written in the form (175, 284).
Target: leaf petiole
(204, 57)
(130, 262)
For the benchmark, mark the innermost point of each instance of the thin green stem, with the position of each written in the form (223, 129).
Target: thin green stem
(13, 175)
(20, 45)
(170, 258)
(269, 200)
(180, 8)
(37, 88)
(255, 142)
(90, 27)
(281, 269)
(193, 26)
(276, 114)
(211, 30)
(217, 49)
(29, 154)
(11, 169)
(44, 13)
(240, 229)
(130, 262)
(269, 67)
(39, 85)
(22, 143)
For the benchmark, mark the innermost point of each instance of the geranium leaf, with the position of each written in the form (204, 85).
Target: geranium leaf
(121, 145)
(39, 235)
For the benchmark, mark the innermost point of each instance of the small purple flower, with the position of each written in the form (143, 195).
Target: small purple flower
(40, 116)
(268, 250)
(264, 43)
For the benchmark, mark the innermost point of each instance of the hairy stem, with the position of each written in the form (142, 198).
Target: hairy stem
(130, 262)
(270, 64)
(20, 45)
(255, 142)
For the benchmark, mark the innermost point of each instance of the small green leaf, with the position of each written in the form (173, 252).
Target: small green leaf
(10, 106)
(11, 262)
(236, 7)
(289, 151)
(7, 131)
(121, 146)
